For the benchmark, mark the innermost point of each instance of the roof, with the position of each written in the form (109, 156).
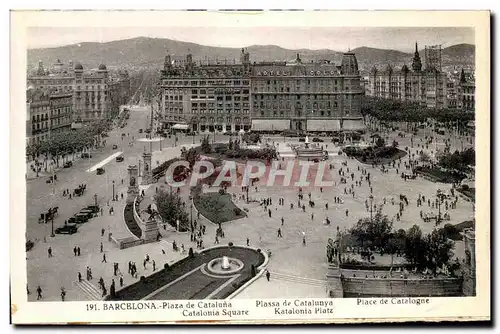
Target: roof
(78, 66)
(102, 67)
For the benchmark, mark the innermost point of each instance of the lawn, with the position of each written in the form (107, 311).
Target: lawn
(468, 192)
(375, 155)
(217, 208)
(440, 175)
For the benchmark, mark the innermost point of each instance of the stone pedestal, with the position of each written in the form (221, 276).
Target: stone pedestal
(133, 185)
(147, 176)
(149, 231)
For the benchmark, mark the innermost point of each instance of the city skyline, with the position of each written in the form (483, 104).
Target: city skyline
(317, 38)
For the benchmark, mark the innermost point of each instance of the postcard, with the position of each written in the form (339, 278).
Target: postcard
(249, 167)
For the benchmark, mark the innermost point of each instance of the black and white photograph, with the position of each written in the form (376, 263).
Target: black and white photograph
(211, 172)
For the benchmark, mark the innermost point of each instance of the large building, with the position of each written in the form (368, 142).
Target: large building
(460, 91)
(37, 118)
(273, 96)
(425, 85)
(95, 94)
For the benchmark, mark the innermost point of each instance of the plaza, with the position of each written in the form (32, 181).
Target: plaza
(296, 269)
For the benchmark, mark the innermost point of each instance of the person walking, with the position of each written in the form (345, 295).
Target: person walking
(102, 230)
(102, 248)
(154, 265)
(268, 275)
(49, 251)
(282, 221)
(121, 281)
(78, 250)
(279, 233)
(39, 293)
(75, 251)
(248, 242)
(104, 258)
(79, 276)
(63, 294)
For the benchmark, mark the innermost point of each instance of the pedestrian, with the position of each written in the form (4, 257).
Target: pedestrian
(39, 293)
(144, 263)
(154, 265)
(102, 248)
(63, 294)
(121, 281)
(78, 250)
(248, 242)
(49, 251)
(268, 275)
(104, 258)
(279, 233)
(75, 250)
(347, 212)
(216, 240)
(282, 221)
(312, 216)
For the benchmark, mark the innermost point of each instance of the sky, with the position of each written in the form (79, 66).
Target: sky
(338, 39)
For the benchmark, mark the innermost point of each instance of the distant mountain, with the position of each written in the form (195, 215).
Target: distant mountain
(145, 52)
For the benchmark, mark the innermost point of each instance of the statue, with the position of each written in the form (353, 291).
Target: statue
(132, 181)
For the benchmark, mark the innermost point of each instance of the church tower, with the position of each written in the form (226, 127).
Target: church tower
(417, 62)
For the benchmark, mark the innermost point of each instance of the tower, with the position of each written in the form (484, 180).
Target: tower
(349, 64)
(433, 57)
(147, 177)
(167, 65)
(133, 186)
(103, 71)
(416, 64)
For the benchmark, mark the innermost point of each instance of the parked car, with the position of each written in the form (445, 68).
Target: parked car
(68, 164)
(78, 219)
(317, 140)
(87, 213)
(93, 208)
(67, 229)
(86, 155)
(119, 158)
(100, 171)
(115, 147)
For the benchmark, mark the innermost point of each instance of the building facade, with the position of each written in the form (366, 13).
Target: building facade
(208, 97)
(95, 94)
(460, 92)
(38, 116)
(273, 96)
(424, 85)
(61, 106)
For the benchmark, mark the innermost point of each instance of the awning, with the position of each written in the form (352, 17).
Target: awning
(323, 125)
(270, 124)
(180, 127)
(353, 124)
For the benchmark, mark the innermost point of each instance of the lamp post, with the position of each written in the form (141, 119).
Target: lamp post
(52, 220)
(371, 208)
(113, 191)
(247, 187)
(439, 194)
(191, 199)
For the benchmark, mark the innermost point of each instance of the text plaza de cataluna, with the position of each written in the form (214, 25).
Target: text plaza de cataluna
(105, 148)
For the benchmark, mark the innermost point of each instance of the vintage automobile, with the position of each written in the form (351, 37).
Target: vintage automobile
(119, 158)
(86, 155)
(100, 171)
(93, 208)
(78, 219)
(68, 164)
(87, 212)
(67, 229)
(317, 140)
(115, 147)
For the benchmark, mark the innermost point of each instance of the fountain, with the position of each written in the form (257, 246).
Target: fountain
(307, 142)
(310, 151)
(225, 265)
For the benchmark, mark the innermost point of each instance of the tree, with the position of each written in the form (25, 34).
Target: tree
(205, 145)
(424, 157)
(171, 209)
(377, 230)
(414, 246)
(192, 156)
(438, 250)
(380, 142)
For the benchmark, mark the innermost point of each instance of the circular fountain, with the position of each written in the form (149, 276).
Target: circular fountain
(225, 265)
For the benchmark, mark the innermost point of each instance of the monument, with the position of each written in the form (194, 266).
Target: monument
(133, 186)
(147, 176)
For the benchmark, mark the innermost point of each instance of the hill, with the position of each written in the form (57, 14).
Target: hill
(145, 52)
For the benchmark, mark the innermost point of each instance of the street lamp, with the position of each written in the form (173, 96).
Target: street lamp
(113, 191)
(52, 220)
(439, 194)
(371, 208)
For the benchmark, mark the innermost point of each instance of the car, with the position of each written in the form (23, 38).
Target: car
(78, 219)
(115, 147)
(100, 171)
(93, 208)
(87, 213)
(67, 229)
(68, 164)
(119, 159)
(317, 140)
(86, 155)
(140, 130)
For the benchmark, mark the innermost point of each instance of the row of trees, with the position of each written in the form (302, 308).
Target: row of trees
(387, 110)
(171, 209)
(61, 145)
(429, 251)
(458, 160)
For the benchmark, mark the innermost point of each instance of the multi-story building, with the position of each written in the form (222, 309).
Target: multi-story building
(207, 97)
(316, 96)
(461, 92)
(95, 94)
(426, 86)
(273, 96)
(61, 105)
(38, 114)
